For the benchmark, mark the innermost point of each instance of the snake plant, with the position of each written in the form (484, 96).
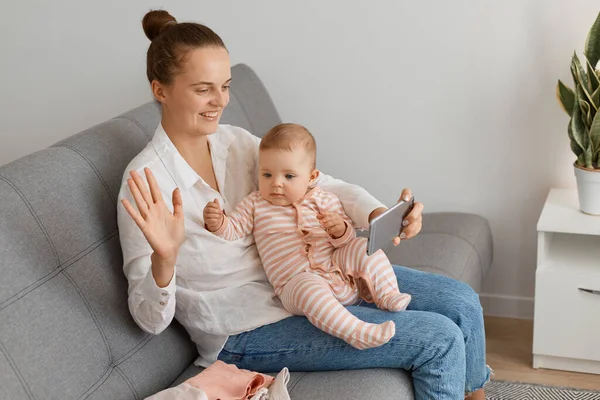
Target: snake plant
(582, 103)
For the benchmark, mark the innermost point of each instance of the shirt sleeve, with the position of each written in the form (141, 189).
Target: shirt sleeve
(151, 307)
(240, 222)
(357, 202)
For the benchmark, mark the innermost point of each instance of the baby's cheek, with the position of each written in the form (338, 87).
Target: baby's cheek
(298, 192)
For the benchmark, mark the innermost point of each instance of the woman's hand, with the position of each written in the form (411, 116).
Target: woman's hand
(213, 215)
(164, 230)
(413, 221)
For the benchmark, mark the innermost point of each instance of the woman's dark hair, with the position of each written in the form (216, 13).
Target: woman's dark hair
(171, 42)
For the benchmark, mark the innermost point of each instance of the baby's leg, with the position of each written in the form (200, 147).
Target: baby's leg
(373, 275)
(308, 294)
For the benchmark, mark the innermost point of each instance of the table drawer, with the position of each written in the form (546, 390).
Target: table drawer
(567, 319)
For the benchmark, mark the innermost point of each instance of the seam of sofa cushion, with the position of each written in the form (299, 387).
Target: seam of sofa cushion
(134, 350)
(60, 268)
(57, 271)
(102, 180)
(34, 285)
(98, 384)
(29, 288)
(127, 356)
(94, 318)
(114, 366)
(52, 273)
(91, 311)
(147, 134)
(295, 383)
(127, 382)
(68, 263)
(34, 215)
(16, 370)
(130, 354)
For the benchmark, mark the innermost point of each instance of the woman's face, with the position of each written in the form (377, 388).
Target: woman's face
(194, 102)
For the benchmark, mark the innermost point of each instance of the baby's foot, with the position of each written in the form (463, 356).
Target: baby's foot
(394, 301)
(366, 336)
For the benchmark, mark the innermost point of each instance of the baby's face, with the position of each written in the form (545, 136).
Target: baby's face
(285, 176)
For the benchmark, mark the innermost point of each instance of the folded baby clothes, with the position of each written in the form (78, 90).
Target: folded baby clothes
(278, 388)
(262, 394)
(183, 391)
(222, 381)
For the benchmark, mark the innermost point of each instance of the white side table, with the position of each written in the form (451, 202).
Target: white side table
(566, 328)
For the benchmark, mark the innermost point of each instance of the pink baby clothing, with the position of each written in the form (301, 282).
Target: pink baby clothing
(313, 273)
(222, 381)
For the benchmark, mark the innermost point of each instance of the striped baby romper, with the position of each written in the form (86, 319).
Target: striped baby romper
(314, 274)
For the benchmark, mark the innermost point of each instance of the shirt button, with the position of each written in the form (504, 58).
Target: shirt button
(163, 294)
(162, 303)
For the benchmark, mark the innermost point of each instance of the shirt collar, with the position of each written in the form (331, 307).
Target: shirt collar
(182, 173)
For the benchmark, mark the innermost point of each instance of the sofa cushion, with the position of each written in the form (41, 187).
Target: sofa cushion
(364, 384)
(65, 327)
(457, 245)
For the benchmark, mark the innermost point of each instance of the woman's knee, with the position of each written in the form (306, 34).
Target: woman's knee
(457, 297)
(449, 335)
(441, 340)
(468, 304)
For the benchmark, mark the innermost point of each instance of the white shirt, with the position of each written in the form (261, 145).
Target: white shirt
(219, 287)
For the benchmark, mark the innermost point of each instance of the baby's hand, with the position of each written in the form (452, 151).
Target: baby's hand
(213, 215)
(333, 224)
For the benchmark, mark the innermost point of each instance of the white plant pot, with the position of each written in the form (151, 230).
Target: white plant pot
(588, 189)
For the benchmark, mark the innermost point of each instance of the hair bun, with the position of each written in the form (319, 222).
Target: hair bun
(156, 21)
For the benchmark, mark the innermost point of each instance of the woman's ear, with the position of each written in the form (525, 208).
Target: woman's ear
(313, 176)
(158, 90)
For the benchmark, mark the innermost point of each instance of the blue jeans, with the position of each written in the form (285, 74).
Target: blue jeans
(440, 338)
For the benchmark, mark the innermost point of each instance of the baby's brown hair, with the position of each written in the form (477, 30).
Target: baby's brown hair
(287, 136)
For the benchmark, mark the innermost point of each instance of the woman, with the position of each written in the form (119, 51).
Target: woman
(217, 289)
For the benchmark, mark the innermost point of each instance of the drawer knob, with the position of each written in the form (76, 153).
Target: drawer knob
(592, 291)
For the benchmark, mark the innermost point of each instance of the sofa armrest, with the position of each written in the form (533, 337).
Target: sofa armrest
(458, 245)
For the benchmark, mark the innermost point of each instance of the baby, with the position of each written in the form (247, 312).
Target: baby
(308, 245)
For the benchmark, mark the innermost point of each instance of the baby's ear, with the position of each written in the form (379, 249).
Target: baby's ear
(314, 175)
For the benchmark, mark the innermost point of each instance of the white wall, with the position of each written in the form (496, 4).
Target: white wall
(453, 99)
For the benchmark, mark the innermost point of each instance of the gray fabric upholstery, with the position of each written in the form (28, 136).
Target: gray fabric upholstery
(452, 244)
(65, 328)
(376, 383)
(250, 105)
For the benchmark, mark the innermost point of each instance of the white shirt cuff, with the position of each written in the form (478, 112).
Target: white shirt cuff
(160, 297)
(363, 208)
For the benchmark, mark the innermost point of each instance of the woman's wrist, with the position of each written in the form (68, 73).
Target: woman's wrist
(162, 270)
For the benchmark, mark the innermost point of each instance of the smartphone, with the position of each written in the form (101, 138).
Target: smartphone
(385, 227)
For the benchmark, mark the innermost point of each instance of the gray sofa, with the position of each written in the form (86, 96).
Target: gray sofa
(65, 329)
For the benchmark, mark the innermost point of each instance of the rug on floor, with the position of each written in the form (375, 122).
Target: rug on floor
(504, 390)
